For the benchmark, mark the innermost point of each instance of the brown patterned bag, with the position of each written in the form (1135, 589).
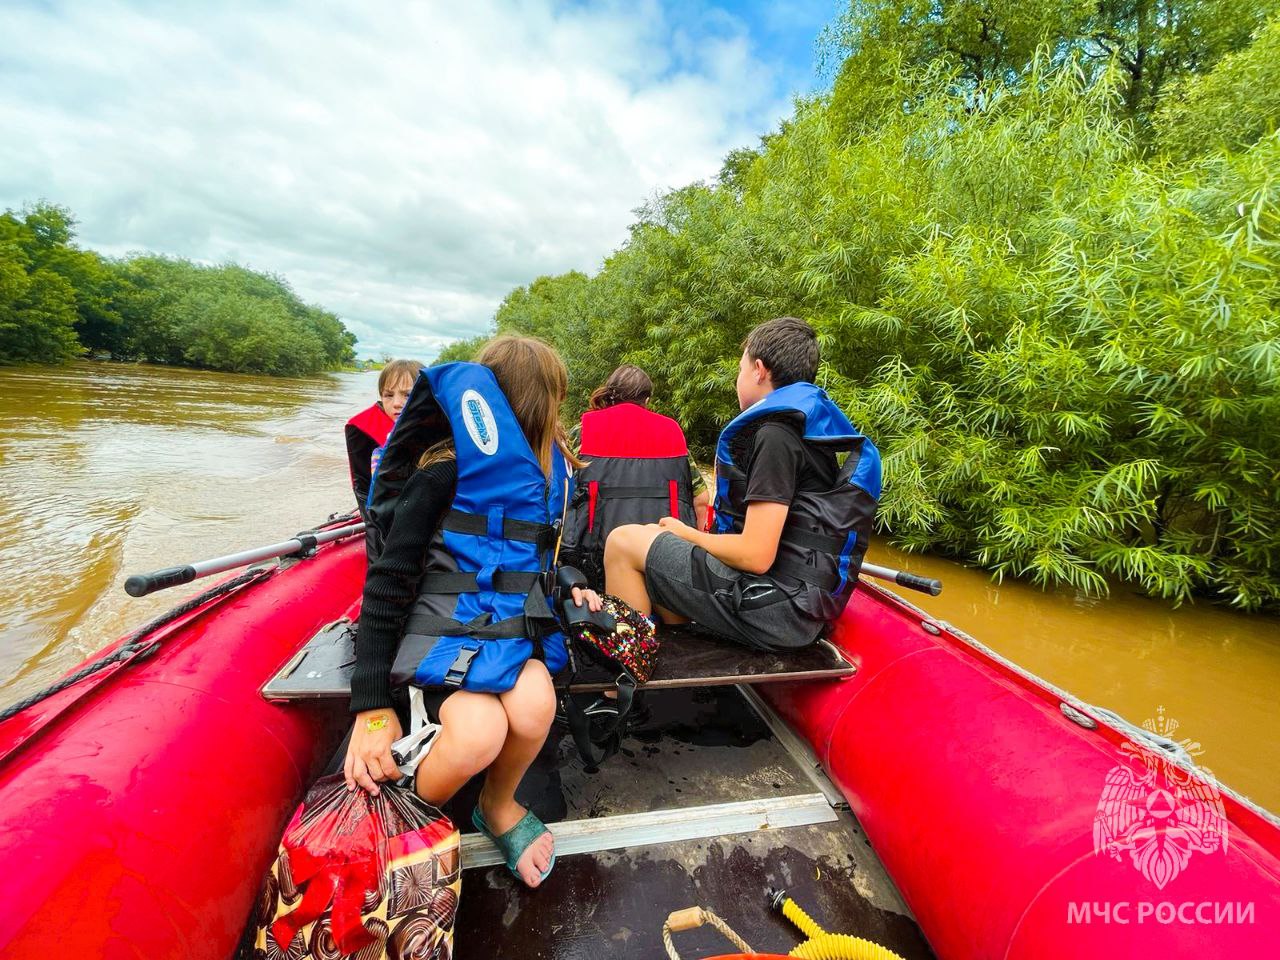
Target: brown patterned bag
(361, 876)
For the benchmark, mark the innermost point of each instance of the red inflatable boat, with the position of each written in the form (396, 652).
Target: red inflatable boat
(140, 806)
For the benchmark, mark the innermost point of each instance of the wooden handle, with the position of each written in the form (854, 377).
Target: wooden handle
(690, 918)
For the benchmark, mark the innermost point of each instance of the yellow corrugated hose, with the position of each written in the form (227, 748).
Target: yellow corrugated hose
(820, 945)
(828, 946)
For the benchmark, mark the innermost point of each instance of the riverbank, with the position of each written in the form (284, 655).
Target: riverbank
(61, 302)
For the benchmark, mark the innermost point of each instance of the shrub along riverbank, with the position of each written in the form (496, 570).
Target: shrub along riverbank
(58, 302)
(1039, 244)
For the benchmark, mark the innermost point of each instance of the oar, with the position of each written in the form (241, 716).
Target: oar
(903, 579)
(141, 584)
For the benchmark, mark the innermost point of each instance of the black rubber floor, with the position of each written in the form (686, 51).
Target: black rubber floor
(696, 747)
(693, 747)
(612, 904)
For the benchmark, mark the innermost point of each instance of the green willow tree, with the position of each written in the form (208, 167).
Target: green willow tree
(1054, 305)
(1148, 43)
(58, 302)
(38, 312)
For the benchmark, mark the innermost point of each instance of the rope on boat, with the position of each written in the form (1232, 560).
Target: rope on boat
(691, 918)
(136, 647)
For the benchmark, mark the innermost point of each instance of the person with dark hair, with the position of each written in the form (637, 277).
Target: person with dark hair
(638, 470)
(791, 524)
(368, 430)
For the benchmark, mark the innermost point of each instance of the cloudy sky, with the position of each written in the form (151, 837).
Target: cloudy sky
(403, 164)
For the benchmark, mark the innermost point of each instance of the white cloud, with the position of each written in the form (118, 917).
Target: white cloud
(402, 164)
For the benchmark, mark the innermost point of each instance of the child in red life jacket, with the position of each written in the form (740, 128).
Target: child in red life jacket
(367, 431)
(791, 523)
(638, 470)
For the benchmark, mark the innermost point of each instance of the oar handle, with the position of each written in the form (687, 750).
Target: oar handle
(903, 579)
(141, 584)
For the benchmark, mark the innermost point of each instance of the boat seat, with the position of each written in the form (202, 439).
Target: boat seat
(689, 657)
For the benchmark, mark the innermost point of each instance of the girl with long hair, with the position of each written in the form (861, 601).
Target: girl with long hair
(499, 733)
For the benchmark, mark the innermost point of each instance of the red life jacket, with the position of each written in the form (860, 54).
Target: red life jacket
(374, 422)
(637, 472)
(367, 433)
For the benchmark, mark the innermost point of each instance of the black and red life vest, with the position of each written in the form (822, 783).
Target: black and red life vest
(367, 434)
(827, 532)
(637, 472)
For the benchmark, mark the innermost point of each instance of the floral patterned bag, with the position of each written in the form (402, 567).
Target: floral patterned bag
(361, 876)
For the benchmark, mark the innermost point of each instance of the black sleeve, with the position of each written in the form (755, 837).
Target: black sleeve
(360, 447)
(391, 585)
(774, 468)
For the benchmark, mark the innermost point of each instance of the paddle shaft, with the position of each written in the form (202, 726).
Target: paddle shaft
(141, 584)
(903, 579)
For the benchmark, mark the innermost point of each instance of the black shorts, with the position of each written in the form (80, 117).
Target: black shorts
(753, 610)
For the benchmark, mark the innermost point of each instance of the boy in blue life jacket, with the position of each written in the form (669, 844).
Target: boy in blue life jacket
(791, 523)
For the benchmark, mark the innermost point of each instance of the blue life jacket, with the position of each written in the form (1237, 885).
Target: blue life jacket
(482, 609)
(827, 532)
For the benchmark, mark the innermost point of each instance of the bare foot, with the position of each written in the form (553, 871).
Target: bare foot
(536, 858)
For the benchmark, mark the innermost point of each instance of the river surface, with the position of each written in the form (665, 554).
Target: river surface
(108, 469)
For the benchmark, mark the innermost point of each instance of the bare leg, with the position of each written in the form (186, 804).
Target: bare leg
(530, 707)
(624, 557)
(473, 729)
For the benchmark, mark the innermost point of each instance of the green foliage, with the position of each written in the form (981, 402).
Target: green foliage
(1059, 319)
(37, 303)
(1233, 106)
(57, 301)
(1149, 43)
(461, 349)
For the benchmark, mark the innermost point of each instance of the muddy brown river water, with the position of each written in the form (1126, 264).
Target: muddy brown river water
(112, 469)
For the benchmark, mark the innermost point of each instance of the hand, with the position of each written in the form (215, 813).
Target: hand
(369, 758)
(678, 527)
(589, 597)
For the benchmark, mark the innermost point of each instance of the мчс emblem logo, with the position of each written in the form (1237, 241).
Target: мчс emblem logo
(480, 423)
(1157, 810)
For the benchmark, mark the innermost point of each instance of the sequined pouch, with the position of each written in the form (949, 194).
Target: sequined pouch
(631, 644)
(624, 640)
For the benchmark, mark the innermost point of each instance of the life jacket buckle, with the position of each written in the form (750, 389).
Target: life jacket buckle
(457, 671)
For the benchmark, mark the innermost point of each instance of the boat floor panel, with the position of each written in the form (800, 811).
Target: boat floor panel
(612, 904)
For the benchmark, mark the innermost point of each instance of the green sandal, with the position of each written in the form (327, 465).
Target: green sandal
(515, 841)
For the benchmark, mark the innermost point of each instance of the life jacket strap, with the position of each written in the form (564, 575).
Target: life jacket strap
(801, 571)
(536, 622)
(504, 581)
(432, 625)
(477, 525)
(800, 537)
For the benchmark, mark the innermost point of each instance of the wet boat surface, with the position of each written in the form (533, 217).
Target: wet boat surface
(703, 805)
